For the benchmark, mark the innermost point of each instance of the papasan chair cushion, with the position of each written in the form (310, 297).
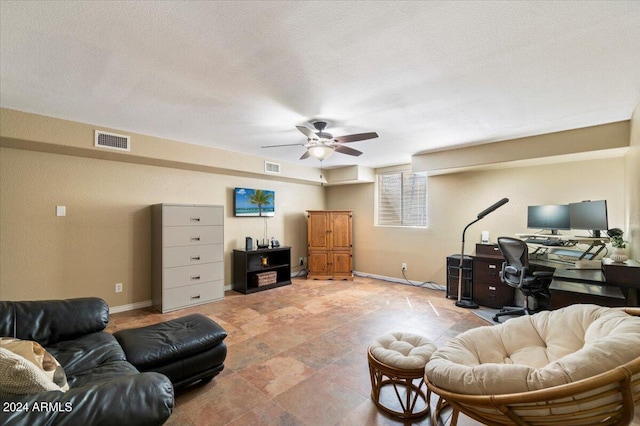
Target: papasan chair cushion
(536, 351)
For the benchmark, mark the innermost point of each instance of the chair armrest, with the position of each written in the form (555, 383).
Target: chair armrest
(50, 321)
(137, 399)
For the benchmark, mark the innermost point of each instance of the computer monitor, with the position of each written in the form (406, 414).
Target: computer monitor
(589, 215)
(551, 217)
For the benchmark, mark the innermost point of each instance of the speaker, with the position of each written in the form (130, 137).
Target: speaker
(485, 237)
(248, 243)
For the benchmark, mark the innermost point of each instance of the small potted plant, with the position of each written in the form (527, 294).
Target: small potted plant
(619, 244)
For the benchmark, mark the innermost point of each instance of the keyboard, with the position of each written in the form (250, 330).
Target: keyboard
(544, 242)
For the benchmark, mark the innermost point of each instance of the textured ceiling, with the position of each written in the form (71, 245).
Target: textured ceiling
(239, 75)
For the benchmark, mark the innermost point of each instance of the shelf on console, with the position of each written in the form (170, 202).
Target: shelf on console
(247, 264)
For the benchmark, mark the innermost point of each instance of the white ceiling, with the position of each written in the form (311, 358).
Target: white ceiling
(241, 74)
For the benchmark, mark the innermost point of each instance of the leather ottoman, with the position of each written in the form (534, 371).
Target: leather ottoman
(185, 349)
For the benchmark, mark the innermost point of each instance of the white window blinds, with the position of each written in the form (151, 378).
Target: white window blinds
(402, 199)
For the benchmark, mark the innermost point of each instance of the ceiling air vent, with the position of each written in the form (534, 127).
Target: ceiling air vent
(271, 167)
(112, 141)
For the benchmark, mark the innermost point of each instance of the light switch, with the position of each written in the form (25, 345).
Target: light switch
(61, 210)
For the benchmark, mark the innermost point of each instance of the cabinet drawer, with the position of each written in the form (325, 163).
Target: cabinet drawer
(191, 216)
(487, 270)
(175, 298)
(191, 235)
(490, 250)
(492, 295)
(186, 275)
(191, 255)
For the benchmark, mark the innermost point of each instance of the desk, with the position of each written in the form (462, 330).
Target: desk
(624, 275)
(615, 284)
(570, 285)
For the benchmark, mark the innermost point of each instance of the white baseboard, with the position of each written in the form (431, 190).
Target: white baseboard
(129, 307)
(147, 303)
(399, 280)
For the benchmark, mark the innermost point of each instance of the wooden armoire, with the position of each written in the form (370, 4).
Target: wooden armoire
(330, 246)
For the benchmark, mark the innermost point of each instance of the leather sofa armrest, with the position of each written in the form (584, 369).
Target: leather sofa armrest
(137, 399)
(50, 321)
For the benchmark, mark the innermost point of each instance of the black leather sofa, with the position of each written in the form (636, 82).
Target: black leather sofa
(105, 389)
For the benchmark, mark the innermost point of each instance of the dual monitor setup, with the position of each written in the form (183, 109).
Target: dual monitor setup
(585, 215)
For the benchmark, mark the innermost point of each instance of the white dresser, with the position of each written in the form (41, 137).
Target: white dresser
(187, 255)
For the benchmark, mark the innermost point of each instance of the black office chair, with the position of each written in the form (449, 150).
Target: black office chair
(517, 273)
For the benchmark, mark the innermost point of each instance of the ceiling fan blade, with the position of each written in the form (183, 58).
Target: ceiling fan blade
(305, 155)
(287, 144)
(307, 132)
(346, 150)
(356, 137)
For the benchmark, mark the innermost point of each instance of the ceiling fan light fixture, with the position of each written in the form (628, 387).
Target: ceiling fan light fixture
(321, 152)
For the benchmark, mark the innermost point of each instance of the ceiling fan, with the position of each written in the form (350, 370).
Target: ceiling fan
(321, 144)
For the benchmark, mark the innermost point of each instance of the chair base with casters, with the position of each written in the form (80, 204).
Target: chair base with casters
(539, 294)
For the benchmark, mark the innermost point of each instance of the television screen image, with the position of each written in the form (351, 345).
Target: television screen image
(551, 217)
(254, 202)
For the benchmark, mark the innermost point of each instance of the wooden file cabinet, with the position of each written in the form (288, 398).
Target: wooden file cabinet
(487, 288)
(187, 258)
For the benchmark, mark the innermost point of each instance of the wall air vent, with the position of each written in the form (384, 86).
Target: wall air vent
(271, 168)
(112, 141)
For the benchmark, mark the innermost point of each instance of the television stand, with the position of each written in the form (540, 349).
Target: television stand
(252, 267)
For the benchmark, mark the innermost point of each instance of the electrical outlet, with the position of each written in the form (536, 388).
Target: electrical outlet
(118, 287)
(404, 266)
(301, 261)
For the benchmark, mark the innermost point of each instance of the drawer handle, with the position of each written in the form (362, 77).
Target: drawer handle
(496, 249)
(195, 238)
(195, 219)
(195, 278)
(492, 266)
(492, 288)
(195, 258)
(195, 297)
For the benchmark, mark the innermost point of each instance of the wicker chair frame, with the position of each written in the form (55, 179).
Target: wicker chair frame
(414, 395)
(606, 399)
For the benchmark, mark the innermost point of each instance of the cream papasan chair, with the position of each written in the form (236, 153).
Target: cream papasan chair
(579, 365)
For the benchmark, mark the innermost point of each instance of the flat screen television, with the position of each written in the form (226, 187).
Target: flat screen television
(552, 217)
(589, 215)
(254, 202)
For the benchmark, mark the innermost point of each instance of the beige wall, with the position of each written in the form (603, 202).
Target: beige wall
(456, 199)
(632, 187)
(105, 236)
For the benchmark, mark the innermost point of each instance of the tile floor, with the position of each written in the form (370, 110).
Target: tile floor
(297, 354)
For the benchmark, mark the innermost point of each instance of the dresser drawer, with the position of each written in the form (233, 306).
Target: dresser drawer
(191, 216)
(175, 298)
(181, 276)
(191, 235)
(191, 255)
(487, 270)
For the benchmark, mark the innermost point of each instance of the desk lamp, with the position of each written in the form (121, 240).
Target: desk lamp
(470, 303)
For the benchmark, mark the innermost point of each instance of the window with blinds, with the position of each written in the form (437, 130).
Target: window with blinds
(401, 199)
